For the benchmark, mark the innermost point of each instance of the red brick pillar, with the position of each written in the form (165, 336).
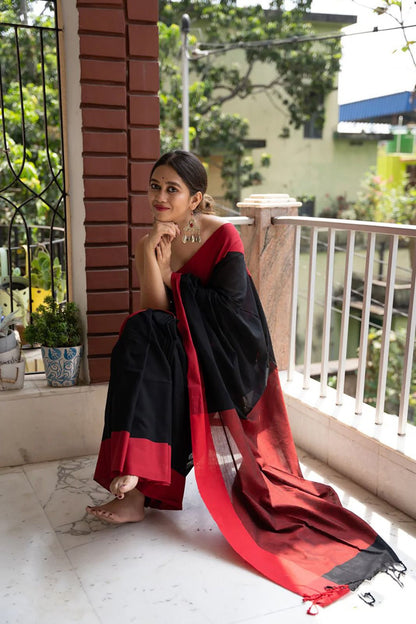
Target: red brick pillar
(269, 257)
(120, 119)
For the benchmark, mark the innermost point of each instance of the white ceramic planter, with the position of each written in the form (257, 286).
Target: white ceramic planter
(8, 357)
(62, 365)
(8, 342)
(12, 376)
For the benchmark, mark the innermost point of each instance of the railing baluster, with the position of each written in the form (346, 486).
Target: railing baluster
(294, 305)
(385, 342)
(310, 308)
(372, 230)
(408, 357)
(327, 311)
(365, 317)
(345, 317)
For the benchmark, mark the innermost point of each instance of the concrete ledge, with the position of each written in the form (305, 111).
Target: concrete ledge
(40, 423)
(373, 456)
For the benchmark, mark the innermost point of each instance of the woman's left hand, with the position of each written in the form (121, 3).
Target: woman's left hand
(163, 256)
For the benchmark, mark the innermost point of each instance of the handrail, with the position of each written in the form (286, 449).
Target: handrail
(241, 220)
(348, 224)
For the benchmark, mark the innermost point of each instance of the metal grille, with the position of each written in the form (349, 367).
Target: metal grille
(33, 249)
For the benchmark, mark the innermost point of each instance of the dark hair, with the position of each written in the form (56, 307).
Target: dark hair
(192, 171)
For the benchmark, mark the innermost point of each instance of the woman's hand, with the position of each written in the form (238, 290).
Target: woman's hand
(162, 229)
(163, 256)
(153, 257)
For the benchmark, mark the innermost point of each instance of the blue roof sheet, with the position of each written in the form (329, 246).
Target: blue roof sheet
(385, 108)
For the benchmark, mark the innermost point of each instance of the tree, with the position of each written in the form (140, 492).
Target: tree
(395, 9)
(303, 75)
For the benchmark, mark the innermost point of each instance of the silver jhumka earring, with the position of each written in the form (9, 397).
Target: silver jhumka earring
(191, 232)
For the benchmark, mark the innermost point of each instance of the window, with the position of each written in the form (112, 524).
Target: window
(33, 250)
(312, 129)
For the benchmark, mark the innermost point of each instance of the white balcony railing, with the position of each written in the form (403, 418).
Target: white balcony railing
(369, 231)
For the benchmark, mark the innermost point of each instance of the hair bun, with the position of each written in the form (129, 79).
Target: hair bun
(207, 204)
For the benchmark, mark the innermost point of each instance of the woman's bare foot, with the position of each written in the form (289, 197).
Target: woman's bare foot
(121, 485)
(130, 508)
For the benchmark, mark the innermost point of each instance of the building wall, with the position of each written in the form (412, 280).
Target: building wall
(299, 166)
(119, 76)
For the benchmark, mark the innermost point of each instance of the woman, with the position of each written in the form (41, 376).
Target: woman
(193, 378)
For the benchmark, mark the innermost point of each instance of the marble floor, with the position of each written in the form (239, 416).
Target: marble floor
(58, 565)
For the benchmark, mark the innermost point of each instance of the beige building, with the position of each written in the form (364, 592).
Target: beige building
(324, 166)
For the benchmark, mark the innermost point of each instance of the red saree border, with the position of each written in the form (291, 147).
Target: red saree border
(162, 486)
(154, 459)
(215, 496)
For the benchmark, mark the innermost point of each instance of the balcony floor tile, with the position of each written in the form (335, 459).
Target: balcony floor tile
(58, 564)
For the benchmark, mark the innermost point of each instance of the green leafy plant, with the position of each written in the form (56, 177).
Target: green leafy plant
(394, 372)
(41, 273)
(379, 200)
(38, 152)
(55, 325)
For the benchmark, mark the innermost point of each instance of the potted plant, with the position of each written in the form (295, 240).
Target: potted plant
(12, 367)
(57, 329)
(308, 205)
(41, 270)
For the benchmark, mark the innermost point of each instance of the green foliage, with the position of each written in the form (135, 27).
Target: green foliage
(394, 373)
(31, 177)
(55, 325)
(396, 9)
(302, 76)
(378, 200)
(41, 273)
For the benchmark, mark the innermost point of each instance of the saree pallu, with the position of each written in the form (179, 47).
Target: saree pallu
(202, 386)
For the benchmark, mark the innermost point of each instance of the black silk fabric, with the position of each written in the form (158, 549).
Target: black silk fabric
(230, 335)
(204, 379)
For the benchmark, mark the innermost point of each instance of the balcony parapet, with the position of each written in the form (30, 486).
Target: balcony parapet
(372, 455)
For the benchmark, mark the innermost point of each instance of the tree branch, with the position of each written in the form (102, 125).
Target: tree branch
(237, 92)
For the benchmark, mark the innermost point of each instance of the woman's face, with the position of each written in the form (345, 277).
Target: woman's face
(169, 197)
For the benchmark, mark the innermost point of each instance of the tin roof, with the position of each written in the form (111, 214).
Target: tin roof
(384, 109)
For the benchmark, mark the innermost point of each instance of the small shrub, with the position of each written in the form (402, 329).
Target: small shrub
(55, 325)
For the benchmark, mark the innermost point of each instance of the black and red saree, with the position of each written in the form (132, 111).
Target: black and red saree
(201, 385)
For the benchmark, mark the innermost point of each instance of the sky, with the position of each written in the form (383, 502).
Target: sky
(370, 65)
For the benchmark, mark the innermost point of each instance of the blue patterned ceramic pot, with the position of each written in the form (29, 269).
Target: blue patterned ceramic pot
(62, 365)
